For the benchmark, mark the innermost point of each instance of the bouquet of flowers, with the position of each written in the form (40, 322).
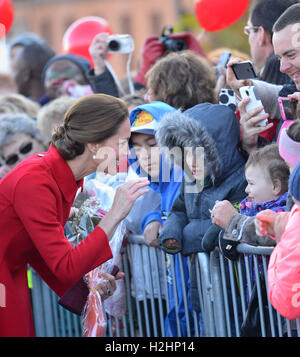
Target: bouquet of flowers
(88, 211)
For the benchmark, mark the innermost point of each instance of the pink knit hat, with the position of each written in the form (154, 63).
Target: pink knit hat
(289, 149)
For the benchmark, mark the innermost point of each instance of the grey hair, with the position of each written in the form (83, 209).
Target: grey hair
(11, 124)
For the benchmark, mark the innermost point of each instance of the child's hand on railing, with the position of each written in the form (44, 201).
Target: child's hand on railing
(264, 223)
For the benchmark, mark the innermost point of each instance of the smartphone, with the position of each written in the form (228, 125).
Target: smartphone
(244, 70)
(251, 91)
(288, 108)
(224, 59)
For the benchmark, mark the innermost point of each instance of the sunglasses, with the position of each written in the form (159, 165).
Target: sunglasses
(24, 149)
(247, 29)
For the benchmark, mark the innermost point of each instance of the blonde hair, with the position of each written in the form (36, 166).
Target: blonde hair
(217, 52)
(17, 103)
(53, 113)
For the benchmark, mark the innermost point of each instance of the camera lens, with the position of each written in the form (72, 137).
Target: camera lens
(114, 45)
(180, 45)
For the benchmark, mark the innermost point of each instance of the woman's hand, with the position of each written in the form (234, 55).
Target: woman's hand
(108, 286)
(125, 197)
(248, 122)
(151, 233)
(222, 213)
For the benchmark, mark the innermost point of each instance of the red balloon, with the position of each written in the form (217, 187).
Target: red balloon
(6, 16)
(215, 15)
(80, 34)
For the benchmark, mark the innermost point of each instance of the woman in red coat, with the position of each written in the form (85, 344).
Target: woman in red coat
(35, 202)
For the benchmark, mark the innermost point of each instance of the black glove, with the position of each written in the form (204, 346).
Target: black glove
(228, 247)
(210, 238)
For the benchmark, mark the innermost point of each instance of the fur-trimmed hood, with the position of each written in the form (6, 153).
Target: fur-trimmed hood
(211, 126)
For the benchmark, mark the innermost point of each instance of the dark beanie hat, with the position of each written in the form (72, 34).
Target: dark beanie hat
(81, 62)
(294, 182)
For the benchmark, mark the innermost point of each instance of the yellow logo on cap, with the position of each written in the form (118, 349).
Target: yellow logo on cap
(143, 118)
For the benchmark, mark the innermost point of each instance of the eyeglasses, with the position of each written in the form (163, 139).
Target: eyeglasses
(247, 29)
(24, 149)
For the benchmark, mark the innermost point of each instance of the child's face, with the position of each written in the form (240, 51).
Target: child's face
(196, 165)
(147, 152)
(260, 187)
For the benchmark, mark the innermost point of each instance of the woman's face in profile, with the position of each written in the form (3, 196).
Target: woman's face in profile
(113, 149)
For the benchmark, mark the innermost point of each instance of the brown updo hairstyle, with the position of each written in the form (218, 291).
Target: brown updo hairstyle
(91, 119)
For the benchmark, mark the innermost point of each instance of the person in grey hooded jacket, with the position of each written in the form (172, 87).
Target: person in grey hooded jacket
(216, 129)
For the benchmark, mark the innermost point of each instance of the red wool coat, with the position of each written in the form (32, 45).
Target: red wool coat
(35, 201)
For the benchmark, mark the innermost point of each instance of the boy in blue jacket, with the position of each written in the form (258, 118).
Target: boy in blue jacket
(165, 178)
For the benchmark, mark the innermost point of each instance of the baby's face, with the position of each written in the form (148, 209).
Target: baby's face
(260, 187)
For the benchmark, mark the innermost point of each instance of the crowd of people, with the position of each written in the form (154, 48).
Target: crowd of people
(213, 176)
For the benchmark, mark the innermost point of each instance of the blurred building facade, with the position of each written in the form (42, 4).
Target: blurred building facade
(140, 18)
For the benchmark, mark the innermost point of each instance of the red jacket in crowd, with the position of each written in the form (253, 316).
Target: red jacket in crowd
(35, 201)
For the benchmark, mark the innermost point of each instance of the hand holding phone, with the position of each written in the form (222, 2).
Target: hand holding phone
(288, 108)
(255, 102)
(244, 70)
(224, 59)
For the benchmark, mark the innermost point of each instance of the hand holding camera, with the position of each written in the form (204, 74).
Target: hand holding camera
(99, 51)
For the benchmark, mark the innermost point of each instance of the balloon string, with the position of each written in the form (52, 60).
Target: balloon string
(201, 34)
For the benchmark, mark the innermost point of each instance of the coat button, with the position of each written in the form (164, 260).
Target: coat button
(234, 232)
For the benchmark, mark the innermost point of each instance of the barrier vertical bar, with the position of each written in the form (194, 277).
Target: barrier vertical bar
(218, 298)
(154, 323)
(234, 300)
(160, 297)
(203, 260)
(174, 285)
(259, 294)
(185, 302)
(127, 287)
(226, 302)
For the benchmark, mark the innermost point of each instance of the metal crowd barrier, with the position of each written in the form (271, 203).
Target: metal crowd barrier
(240, 296)
(224, 288)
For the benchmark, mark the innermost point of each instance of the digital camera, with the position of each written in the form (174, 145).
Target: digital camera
(120, 44)
(172, 44)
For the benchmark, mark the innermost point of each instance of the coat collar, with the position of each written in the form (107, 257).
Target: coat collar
(62, 174)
